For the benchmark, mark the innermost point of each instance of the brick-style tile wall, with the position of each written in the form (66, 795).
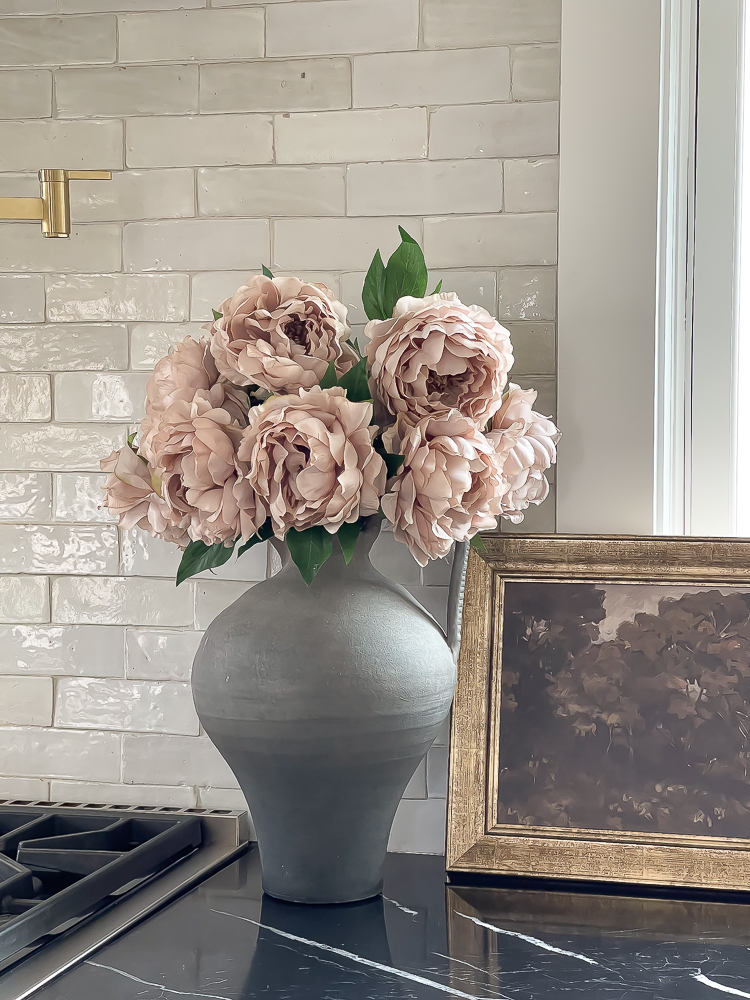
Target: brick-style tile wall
(296, 133)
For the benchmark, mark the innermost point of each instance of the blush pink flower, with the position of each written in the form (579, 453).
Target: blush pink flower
(437, 354)
(281, 334)
(132, 491)
(311, 460)
(195, 450)
(526, 442)
(186, 369)
(449, 487)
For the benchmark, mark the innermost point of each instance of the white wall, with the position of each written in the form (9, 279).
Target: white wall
(609, 143)
(292, 133)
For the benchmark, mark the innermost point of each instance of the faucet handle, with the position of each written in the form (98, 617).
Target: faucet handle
(89, 175)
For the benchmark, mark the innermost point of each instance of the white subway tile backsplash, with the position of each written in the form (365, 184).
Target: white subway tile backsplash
(419, 827)
(57, 448)
(336, 244)
(160, 655)
(437, 772)
(533, 348)
(21, 298)
(468, 76)
(346, 136)
(424, 188)
(117, 91)
(84, 792)
(89, 248)
(121, 601)
(472, 287)
(143, 555)
(527, 293)
(57, 41)
(190, 35)
(58, 348)
(79, 498)
(132, 195)
(481, 240)
(24, 599)
(55, 753)
(73, 145)
(271, 191)
(223, 798)
(494, 130)
(26, 701)
(448, 23)
(276, 85)
(536, 72)
(531, 185)
(25, 496)
(30, 789)
(29, 6)
(61, 650)
(150, 342)
(330, 27)
(195, 245)
(104, 396)
(26, 93)
(214, 596)
(111, 297)
(87, 6)
(125, 705)
(25, 397)
(38, 548)
(184, 760)
(204, 140)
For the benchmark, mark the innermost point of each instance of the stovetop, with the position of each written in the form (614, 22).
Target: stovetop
(72, 877)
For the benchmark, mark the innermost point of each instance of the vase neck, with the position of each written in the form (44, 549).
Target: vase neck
(336, 564)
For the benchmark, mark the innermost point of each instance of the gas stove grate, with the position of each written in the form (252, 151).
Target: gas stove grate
(59, 866)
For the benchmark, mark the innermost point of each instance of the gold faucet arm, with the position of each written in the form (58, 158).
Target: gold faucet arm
(22, 208)
(89, 175)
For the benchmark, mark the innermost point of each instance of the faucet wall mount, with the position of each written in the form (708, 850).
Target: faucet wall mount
(52, 209)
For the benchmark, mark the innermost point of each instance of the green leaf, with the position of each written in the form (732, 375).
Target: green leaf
(372, 292)
(405, 238)
(406, 274)
(199, 556)
(264, 533)
(477, 543)
(267, 273)
(347, 536)
(355, 383)
(392, 462)
(438, 286)
(309, 549)
(329, 380)
(217, 314)
(131, 438)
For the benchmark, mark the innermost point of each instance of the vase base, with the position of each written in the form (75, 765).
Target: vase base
(359, 898)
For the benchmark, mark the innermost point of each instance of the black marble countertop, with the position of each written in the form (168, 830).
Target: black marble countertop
(423, 939)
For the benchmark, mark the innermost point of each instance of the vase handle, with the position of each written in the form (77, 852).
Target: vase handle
(456, 596)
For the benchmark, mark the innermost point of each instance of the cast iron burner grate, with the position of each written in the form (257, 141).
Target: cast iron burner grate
(58, 867)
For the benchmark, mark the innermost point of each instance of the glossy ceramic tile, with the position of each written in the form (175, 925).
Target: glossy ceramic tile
(125, 705)
(79, 497)
(150, 342)
(26, 701)
(25, 496)
(121, 601)
(24, 599)
(181, 797)
(53, 753)
(156, 759)
(63, 348)
(40, 548)
(62, 650)
(159, 654)
(62, 448)
(25, 397)
(100, 396)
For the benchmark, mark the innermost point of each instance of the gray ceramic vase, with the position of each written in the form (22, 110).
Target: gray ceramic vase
(323, 700)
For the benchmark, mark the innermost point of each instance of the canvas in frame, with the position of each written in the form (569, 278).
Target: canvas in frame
(600, 728)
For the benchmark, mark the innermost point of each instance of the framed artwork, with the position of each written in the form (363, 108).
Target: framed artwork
(601, 727)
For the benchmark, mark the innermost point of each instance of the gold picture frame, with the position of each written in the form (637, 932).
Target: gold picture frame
(476, 841)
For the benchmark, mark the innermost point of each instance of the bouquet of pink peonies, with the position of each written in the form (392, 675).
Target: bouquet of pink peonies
(276, 425)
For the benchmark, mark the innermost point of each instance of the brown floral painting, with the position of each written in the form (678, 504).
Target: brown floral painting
(625, 707)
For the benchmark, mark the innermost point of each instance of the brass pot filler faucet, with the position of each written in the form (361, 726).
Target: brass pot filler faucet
(53, 208)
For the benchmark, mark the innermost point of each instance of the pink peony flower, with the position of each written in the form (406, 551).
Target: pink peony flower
(311, 459)
(526, 443)
(437, 354)
(449, 487)
(281, 334)
(133, 492)
(195, 451)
